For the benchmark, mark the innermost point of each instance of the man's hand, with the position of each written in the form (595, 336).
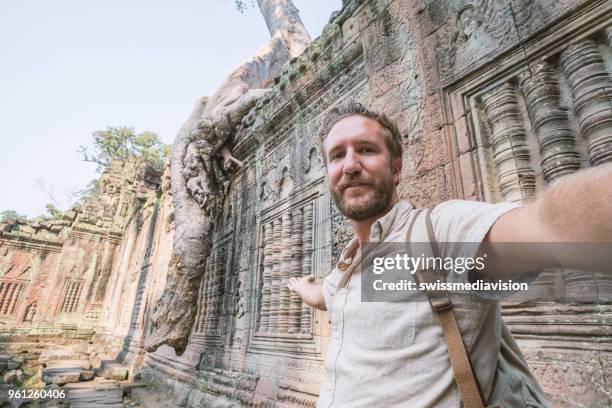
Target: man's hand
(310, 293)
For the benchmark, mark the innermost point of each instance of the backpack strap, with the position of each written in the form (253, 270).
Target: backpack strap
(442, 307)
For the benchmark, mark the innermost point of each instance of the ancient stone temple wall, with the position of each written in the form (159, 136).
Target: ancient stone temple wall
(495, 101)
(54, 275)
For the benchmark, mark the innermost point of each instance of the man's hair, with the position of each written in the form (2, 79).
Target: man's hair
(391, 132)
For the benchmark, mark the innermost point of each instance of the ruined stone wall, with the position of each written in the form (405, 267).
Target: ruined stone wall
(54, 275)
(495, 100)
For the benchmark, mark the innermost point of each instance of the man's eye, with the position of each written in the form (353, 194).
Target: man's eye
(336, 156)
(366, 150)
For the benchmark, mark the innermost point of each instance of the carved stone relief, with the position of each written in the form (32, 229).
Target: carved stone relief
(533, 122)
(72, 296)
(211, 297)
(10, 293)
(509, 143)
(591, 87)
(559, 153)
(287, 252)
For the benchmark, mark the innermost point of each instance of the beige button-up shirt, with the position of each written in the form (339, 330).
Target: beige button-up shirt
(385, 354)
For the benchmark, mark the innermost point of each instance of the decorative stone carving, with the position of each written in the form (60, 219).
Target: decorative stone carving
(468, 20)
(239, 300)
(287, 252)
(211, 298)
(30, 313)
(591, 86)
(510, 150)
(9, 296)
(71, 296)
(558, 149)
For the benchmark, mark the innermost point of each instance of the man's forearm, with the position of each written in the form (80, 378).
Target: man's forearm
(578, 208)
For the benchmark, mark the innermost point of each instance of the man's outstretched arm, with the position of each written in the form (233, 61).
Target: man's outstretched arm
(310, 293)
(576, 209)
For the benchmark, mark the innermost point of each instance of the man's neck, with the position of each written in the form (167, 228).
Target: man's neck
(363, 228)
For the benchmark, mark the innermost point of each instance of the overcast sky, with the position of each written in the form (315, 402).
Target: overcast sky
(70, 67)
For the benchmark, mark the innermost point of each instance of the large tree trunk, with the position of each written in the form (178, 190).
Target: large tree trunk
(197, 182)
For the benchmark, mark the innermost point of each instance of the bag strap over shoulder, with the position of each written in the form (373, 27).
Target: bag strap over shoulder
(440, 302)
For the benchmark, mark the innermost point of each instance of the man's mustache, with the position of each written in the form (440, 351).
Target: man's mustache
(353, 183)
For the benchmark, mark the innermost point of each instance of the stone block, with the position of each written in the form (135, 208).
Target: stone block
(264, 390)
(61, 377)
(75, 364)
(463, 135)
(13, 375)
(468, 178)
(112, 371)
(18, 359)
(86, 375)
(13, 365)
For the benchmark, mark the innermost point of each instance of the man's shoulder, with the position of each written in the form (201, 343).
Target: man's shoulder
(460, 207)
(467, 220)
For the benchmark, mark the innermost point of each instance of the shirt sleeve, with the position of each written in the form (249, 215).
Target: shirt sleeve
(460, 225)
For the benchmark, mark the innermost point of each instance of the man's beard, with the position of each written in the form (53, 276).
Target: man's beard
(378, 199)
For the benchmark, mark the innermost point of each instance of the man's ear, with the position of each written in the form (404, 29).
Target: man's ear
(396, 167)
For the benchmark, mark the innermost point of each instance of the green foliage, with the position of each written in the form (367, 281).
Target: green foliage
(122, 143)
(53, 211)
(92, 190)
(11, 215)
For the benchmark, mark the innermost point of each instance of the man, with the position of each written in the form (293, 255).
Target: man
(387, 354)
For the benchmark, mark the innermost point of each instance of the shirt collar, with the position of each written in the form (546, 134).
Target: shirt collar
(382, 226)
(379, 230)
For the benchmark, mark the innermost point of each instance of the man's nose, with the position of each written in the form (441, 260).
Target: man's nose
(352, 164)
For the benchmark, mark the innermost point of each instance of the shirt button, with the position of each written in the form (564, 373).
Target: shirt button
(329, 387)
(342, 291)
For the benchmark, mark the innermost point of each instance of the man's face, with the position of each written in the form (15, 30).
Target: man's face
(362, 175)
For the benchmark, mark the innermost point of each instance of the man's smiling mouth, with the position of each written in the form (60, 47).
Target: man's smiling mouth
(351, 186)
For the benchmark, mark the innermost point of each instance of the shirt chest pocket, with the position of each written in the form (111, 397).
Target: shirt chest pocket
(380, 325)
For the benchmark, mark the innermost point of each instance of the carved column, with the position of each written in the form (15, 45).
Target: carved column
(307, 265)
(75, 296)
(295, 306)
(550, 120)
(266, 289)
(209, 292)
(209, 280)
(214, 294)
(275, 287)
(609, 35)
(285, 274)
(510, 150)
(202, 310)
(591, 86)
(11, 300)
(9, 296)
(67, 297)
(3, 291)
(217, 297)
(15, 298)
